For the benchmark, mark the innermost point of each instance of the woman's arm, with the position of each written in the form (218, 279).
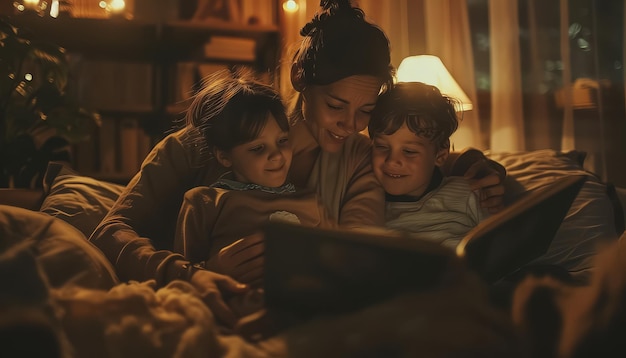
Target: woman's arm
(148, 204)
(143, 210)
(364, 198)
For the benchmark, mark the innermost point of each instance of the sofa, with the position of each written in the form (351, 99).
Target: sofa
(67, 295)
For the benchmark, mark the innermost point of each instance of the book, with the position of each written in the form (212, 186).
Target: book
(512, 238)
(313, 271)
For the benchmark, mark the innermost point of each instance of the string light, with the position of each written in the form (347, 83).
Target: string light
(113, 6)
(290, 6)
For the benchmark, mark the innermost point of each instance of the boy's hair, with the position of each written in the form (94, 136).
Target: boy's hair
(426, 112)
(232, 108)
(338, 43)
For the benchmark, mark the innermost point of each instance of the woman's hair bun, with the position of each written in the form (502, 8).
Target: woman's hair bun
(331, 11)
(338, 43)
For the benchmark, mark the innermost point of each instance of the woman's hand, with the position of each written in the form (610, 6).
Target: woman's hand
(212, 288)
(243, 260)
(483, 176)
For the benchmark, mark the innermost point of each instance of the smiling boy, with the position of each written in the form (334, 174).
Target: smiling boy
(410, 128)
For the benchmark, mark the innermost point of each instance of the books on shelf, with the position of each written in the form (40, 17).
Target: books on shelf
(186, 78)
(247, 12)
(115, 86)
(206, 69)
(107, 146)
(117, 150)
(85, 155)
(230, 48)
(129, 146)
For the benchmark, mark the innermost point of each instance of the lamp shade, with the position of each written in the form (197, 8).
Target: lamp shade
(430, 70)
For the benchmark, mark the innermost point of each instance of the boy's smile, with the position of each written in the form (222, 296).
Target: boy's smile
(404, 163)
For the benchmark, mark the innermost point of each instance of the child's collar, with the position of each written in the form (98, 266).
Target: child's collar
(226, 182)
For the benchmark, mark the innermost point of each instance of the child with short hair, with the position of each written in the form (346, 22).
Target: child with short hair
(411, 127)
(244, 123)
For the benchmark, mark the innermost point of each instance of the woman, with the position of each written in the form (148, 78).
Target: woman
(342, 65)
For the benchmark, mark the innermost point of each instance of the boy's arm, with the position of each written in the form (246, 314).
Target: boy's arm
(484, 174)
(460, 163)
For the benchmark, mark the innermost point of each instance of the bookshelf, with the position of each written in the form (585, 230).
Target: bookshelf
(131, 72)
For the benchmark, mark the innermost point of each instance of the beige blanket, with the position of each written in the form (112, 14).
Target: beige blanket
(60, 298)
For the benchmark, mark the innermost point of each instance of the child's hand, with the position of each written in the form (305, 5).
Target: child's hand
(212, 288)
(243, 260)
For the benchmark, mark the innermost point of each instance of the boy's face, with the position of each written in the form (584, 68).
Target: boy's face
(263, 161)
(404, 163)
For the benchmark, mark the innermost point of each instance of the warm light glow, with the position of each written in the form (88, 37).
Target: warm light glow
(54, 9)
(30, 5)
(117, 6)
(290, 6)
(113, 6)
(430, 70)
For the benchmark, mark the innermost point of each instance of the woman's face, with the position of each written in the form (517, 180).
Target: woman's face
(336, 111)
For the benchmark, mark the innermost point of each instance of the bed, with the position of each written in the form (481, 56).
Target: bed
(61, 292)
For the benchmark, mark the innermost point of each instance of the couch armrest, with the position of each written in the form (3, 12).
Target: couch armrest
(24, 198)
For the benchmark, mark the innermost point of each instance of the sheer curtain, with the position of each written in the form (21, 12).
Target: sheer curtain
(447, 34)
(507, 126)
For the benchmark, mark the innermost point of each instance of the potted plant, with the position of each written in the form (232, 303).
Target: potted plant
(38, 121)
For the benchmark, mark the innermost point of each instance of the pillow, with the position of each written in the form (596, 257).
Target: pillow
(62, 254)
(589, 223)
(78, 200)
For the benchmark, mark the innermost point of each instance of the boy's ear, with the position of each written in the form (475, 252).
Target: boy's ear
(442, 156)
(223, 158)
(297, 77)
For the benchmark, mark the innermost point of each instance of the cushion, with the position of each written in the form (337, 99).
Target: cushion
(62, 253)
(590, 222)
(78, 200)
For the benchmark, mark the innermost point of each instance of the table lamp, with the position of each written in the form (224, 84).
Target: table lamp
(430, 70)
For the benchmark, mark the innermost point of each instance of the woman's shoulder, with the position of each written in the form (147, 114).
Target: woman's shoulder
(181, 137)
(185, 145)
